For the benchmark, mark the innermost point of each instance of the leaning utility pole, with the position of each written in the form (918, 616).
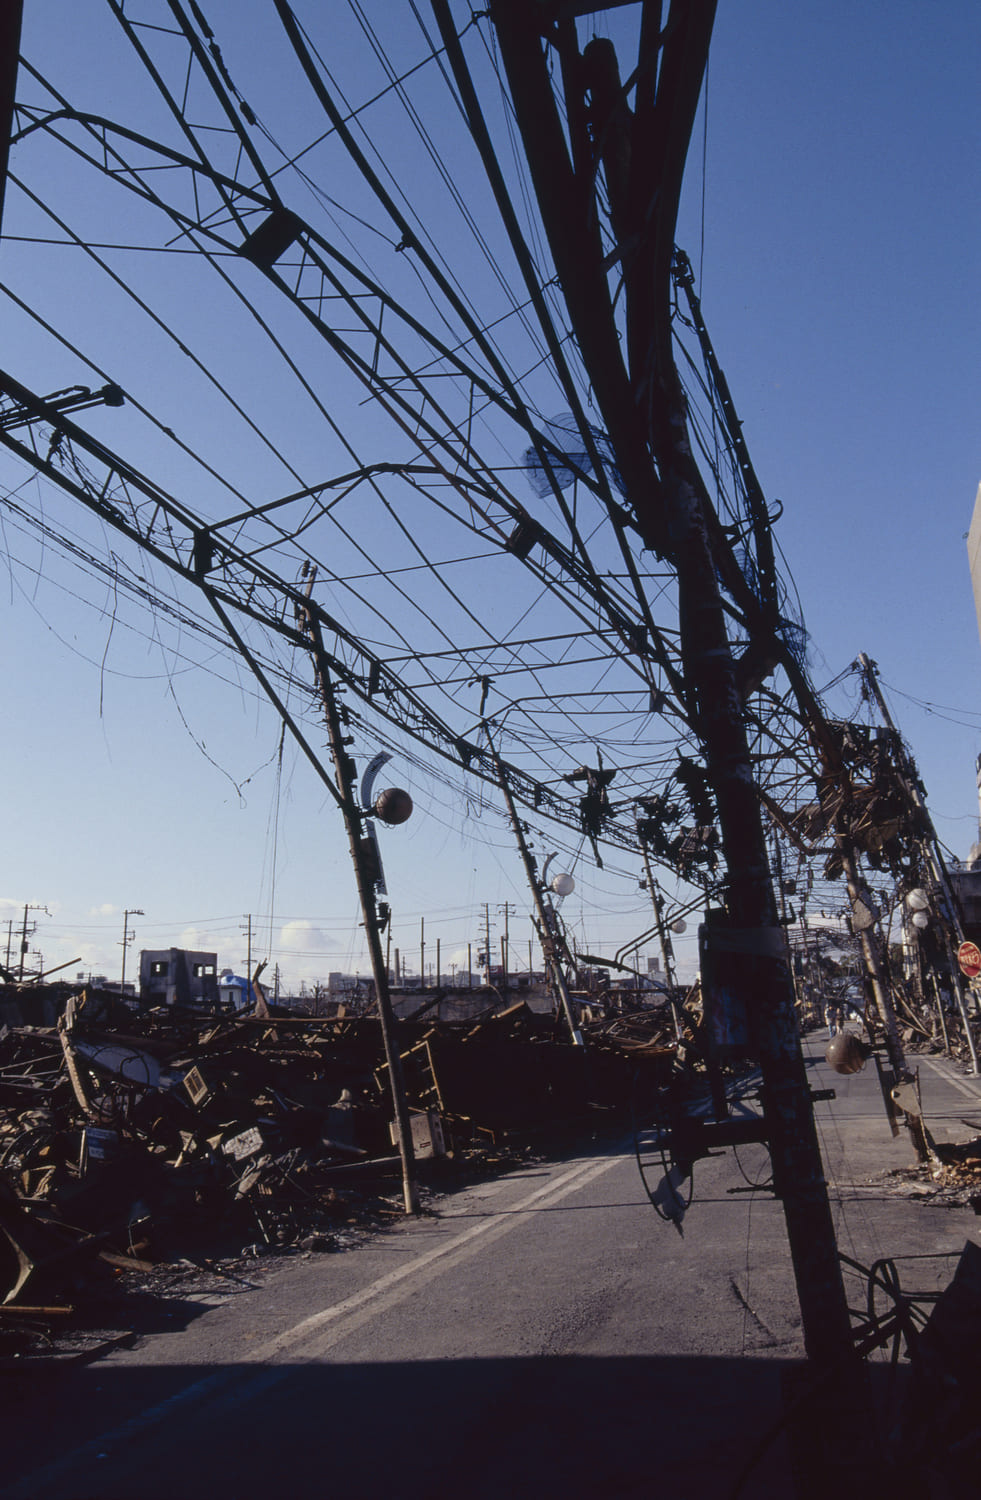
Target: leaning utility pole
(364, 857)
(641, 153)
(934, 859)
(544, 912)
(667, 950)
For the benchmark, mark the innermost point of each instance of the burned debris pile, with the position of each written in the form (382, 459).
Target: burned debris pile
(125, 1134)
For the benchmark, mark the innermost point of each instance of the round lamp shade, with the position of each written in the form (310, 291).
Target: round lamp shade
(920, 920)
(847, 1053)
(918, 900)
(393, 805)
(563, 885)
(679, 926)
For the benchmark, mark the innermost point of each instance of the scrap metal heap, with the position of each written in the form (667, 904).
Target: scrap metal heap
(129, 1136)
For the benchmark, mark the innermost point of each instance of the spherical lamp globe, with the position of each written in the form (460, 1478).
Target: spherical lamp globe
(393, 805)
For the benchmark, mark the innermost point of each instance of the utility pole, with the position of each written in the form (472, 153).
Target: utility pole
(24, 934)
(507, 907)
(641, 151)
(487, 945)
(128, 937)
(367, 871)
(248, 958)
(930, 844)
(786, 917)
(667, 948)
(545, 914)
(23, 943)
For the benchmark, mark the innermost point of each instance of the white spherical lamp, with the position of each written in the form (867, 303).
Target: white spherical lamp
(679, 926)
(920, 920)
(563, 885)
(918, 900)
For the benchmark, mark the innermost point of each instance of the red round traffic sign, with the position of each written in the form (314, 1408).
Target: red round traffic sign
(969, 958)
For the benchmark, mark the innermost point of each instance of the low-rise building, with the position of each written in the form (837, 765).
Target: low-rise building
(176, 976)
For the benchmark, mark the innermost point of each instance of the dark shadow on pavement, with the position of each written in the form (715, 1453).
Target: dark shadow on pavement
(481, 1429)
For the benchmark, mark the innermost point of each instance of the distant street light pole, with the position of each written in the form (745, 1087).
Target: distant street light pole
(137, 911)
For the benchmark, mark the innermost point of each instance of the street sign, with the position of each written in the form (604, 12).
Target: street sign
(969, 958)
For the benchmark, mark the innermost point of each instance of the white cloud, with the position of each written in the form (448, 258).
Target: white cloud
(195, 940)
(303, 937)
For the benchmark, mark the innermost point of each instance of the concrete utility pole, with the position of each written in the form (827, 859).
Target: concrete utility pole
(635, 385)
(24, 934)
(544, 913)
(364, 857)
(247, 929)
(136, 911)
(667, 949)
(935, 862)
(506, 907)
(902, 1092)
(23, 944)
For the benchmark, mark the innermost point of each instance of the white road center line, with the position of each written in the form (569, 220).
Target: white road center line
(313, 1335)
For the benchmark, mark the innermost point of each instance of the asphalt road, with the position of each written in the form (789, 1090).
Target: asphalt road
(541, 1334)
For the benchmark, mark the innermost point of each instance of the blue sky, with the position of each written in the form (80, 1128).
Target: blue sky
(840, 280)
(831, 213)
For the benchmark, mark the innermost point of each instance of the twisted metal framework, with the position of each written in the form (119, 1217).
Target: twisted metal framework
(479, 495)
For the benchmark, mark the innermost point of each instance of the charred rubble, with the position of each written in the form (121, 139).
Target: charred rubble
(129, 1138)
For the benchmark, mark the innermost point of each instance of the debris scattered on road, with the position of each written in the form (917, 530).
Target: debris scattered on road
(128, 1134)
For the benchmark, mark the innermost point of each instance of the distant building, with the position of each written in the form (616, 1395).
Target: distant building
(176, 976)
(233, 991)
(103, 982)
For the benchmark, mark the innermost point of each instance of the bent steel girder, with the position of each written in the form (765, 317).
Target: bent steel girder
(402, 364)
(406, 396)
(172, 533)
